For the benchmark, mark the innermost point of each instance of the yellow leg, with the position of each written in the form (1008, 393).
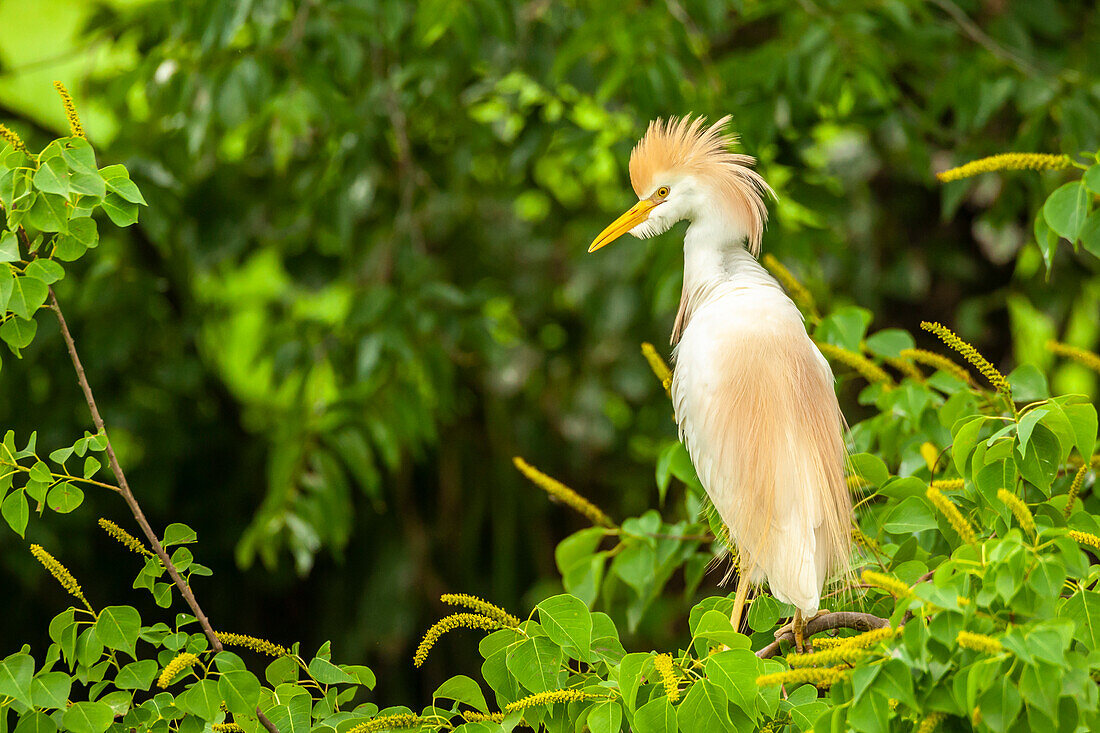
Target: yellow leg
(799, 625)
(739, 601)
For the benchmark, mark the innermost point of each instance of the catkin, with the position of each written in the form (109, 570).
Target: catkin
(178, 664)
(866, 368)
(1075, 488)
(798, 292)
(953, 515)
(557, 490)
(389, 722)
(1085, 538)
(936, 361)
(1019, 509)
(838, 654)
(663, 663)
(12, 138)
(818, 676)
(251, 642)
(125, 538)
(968, 352)
(979, 642)
(450, 623)
(75, 127)
(1006, 162)
(60, 572)
(887, 583)
(949, 484)
(551, 697)
(658, 365)
(930, 722)
(1082, 356)
(478, 605)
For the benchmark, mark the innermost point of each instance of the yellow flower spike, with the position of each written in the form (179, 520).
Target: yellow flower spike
(479, 606)
(227, 728)
(887, 583)
(1019, 509)
(450, 623)
(863, 540)
(61, 573)
(476, 717)
(866, 368)
(930, 454)
(906, 367)
(12, 138)
(251, 642)
(962, 600)
(178, 664)
(1084, 538)
(817, 676)
(1075, 488)
(968, 352)
(953, 515)
(1006, 162)
(1083, 356)
(128, 540)
(663, 663)
(868, 639)
(930, 722)
(75, 127)
(559, 491)
(949, 484)
(658, 365)
(979, 642)
(936, 361)
(838, 654)
(828, 642)
(390, 722)
(551, 697)
(798, 292)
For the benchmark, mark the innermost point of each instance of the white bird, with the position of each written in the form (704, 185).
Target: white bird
(753, 395)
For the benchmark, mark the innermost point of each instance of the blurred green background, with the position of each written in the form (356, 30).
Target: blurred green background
(360, 286)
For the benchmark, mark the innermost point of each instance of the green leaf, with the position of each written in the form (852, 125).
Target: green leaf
(735, 671)
(121, 212)
(1065, 209)
(18, 333)
(283, 669)
(178, 534)
(137, 675)
(241, 691)
(27, 296)
(656, 716)
(15, 677)
(704, 709)
(118, 628)
(568, 623)
(47, 271)
(463, 689)
(118, 180)
(50, 690)
(1091, 179)
(1047, 240)
(52, 177)
(64, 497)
(88, 717)
(78, 154)
(202, 699)
(870, 468)
(16, 511)
(605, 717)
(911, 515)
(35, 723)
(91, 465)
(890, 342)
(9, 247)
(845, 327)
(1090, 234)
(536, 663)
(328, 673)
(49, 213)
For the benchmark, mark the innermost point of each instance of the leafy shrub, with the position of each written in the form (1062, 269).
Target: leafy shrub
(976, 605)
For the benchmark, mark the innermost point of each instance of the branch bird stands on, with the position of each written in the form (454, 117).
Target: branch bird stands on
(753, 395)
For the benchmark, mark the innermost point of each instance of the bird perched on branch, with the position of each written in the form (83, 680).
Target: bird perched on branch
(753, 396)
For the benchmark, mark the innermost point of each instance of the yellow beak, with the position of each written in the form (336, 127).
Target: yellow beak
(637, 213)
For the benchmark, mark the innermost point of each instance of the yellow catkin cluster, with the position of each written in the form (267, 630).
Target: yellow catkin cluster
(954, 516)
(178, 664)
(936, 361)
(979, 642)
(389, 722)
(658, 365)
(663, 663)
(931, 455)
(1084, 356)
(962, 600)
(12, 138)
(1019, 509)
(75, 127)
(480, 606)
(930, 722)
(968, 352)
(866, 368)
(839, 654)
(798, 292)
(557, 490)
(1006, 162)
(227, 728)
(1075, 488)
(817, 676)
(551, 697)
(949, 484)
(868, 639)
(450, 623)
(59, 571)
(251, 642)
(887, 583)
(1084, 538)
(828, 642)
(128, 540)
(863, 540)
(472, 716)
(906, 367)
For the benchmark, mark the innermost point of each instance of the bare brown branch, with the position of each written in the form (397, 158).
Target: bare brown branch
(839, 620)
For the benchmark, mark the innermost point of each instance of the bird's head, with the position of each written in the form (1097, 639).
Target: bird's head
(683, 169)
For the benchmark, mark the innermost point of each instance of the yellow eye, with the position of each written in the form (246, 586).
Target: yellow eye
(662, 191)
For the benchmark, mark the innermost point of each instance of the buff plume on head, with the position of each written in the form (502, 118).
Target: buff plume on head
(686, 146)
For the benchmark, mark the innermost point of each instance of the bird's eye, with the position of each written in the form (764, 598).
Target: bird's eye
(662, 191)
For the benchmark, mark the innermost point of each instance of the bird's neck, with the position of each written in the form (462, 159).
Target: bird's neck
(714, 252)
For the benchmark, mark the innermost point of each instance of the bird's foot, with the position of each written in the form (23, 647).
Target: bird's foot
(797, 627)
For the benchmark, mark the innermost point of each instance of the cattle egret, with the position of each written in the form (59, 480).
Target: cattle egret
(753, 395)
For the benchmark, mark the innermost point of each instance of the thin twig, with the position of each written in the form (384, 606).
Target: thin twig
(980, 37)
(839, 620)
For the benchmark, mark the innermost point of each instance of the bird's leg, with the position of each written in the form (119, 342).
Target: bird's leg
(739, 601)
(797, 627)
